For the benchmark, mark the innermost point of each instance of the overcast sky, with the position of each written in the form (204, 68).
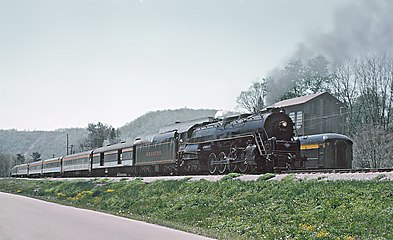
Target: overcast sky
(73, 62)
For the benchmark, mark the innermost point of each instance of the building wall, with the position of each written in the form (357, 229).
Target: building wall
(319, 115)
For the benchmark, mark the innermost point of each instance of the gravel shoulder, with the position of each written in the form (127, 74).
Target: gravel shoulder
(360, 176)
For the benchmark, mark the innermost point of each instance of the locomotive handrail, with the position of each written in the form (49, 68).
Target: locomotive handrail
(259, 143)
(225, 139)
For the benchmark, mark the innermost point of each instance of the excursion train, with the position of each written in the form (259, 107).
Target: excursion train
(246, 143)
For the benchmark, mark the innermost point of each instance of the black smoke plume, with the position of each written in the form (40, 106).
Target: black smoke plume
(359, 28)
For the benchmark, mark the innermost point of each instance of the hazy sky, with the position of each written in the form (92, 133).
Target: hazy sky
(67, 63)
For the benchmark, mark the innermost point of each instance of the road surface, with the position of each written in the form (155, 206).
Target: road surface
(27, 218)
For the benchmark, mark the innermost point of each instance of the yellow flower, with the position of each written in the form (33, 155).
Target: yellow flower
(84, 193)
(81, 195)
(110, 190)
(61, 194)
(349, 238)
(322, 234)
(97, 200)
(307, 227)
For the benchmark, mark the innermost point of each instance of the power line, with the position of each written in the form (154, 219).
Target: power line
(324, 118)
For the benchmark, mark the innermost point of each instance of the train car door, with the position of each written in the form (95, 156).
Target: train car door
(90, 162)
(321, 155)
(340, 148)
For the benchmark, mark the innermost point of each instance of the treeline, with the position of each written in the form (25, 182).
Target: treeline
(364, 84)
(47, 143)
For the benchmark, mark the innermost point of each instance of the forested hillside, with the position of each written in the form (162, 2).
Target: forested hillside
(152, 121)
(47, 143)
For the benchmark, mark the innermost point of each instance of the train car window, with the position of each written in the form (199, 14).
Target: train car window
(96, 159)
(113, 157)
(127, 155)
(183, 136)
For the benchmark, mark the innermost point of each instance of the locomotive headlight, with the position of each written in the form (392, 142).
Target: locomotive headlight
(283, 124)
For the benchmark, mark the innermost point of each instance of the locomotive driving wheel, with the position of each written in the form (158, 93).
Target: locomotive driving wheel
(232, 167)
(212, 167)
(243, 167)
(222, 167)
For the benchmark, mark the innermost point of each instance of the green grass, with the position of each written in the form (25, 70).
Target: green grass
(234, 209)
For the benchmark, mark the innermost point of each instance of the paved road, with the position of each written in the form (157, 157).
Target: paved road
(26, 218)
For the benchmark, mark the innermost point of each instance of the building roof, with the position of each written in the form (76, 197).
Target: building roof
(296, 101)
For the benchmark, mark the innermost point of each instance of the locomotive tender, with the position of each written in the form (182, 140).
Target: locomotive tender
(245, 143)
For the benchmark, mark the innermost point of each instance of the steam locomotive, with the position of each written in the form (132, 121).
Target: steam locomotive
(246, 143)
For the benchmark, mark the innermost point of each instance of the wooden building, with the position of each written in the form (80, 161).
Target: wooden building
(315, 113)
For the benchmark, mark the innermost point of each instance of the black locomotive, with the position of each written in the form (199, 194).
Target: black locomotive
(245, 143)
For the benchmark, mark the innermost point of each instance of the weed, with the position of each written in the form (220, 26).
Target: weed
(185, 179)
(230, 176)
(379, 177)
(266, 176)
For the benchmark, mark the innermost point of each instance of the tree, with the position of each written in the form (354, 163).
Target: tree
(297, 79)
(254, 99)
(6, 163)
(294, 77)
(114, 136)
(20, 159)
(98, 133)
(36, 156)
(344, 88)
(365, 86)
(317, 76)
(373, 148)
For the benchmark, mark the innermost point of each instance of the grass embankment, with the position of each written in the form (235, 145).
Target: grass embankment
(233, 209)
